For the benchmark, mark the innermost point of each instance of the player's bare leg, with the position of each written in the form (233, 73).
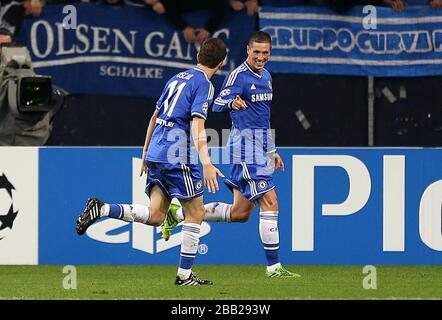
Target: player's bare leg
(242, 207)
(159, 205)
(240, 211)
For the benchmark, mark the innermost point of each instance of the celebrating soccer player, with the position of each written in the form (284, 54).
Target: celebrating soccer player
(180, 113)
(247, 95)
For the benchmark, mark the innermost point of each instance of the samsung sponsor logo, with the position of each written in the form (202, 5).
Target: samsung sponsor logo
(261, 97)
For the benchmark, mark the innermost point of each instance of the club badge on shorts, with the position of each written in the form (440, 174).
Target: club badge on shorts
(262, 184)
(199, 185)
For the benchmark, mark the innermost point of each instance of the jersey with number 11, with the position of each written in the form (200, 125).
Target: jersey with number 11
(186, 95)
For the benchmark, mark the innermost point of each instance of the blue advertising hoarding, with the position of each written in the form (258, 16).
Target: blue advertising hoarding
(337, 206)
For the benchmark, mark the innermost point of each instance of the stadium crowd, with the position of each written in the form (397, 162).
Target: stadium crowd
(13, 12)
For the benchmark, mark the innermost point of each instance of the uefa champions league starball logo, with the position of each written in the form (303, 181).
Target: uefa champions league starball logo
(225, 92)
(205, 107)
(7, 213)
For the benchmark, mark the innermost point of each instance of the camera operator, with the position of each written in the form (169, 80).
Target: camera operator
(5, 36)
(28, 102)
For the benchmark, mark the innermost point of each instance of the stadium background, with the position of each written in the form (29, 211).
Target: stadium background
(57, 181)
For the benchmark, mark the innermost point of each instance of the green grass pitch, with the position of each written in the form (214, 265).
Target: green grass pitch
(231, 282)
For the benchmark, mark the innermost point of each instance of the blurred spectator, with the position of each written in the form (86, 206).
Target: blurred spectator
(250, 5)
(47, 2)
(283, 3)
(135, 3)
(340, 6)
(175, 8)
(397, 5)
(114, 2)
(436, 4)
(33, 7)
(237, 5)
(13, 12)
(5, 36)
(156, 5)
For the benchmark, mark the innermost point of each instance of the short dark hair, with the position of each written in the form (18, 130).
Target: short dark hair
(5, 32)
(260, 37)
(212, 52)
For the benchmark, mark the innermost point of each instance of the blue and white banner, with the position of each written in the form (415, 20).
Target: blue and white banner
(123, 50)
(336, 206)
(366, 41)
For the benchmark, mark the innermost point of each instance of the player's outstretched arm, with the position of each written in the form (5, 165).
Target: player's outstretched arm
(210, 172)
(149, 132)
(230, 97)
(223, 105)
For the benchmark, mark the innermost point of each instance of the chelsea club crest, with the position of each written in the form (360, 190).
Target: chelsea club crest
(262, 184)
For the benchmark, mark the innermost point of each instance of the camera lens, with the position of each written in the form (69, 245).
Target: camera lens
(35, 92)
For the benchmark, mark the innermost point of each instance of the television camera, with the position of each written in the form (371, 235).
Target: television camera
(28, 101)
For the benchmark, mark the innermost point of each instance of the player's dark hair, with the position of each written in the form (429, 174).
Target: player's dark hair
(260, 37)
(212, 52)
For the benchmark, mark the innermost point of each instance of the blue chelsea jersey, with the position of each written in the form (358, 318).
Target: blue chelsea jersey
(250, 126)
(186, 95)
(255, 89)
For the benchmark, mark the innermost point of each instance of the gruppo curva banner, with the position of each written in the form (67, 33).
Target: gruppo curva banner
(337, 206)
(365, 41)
(124, 50)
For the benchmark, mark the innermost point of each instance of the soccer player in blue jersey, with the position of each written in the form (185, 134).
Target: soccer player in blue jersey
(247, 95)
(179, 117)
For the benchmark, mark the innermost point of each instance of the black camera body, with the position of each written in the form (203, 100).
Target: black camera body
(27, 91)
